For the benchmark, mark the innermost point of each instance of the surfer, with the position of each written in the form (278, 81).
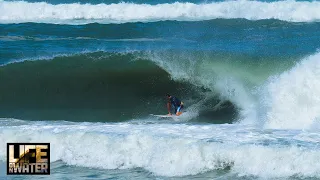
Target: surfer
(176, 103)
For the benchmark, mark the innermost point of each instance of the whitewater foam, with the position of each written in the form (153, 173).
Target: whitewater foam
(174, 149)
(42, 12)
(292, 99)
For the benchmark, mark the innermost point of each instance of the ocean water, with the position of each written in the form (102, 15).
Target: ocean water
(85, 75)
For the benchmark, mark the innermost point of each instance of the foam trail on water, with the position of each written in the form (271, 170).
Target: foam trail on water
(292, 99)
(42, 12)
(173, 150)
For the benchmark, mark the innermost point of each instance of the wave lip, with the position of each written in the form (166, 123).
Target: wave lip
(42, 12)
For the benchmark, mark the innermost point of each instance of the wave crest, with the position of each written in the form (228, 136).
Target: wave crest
(42, 12)
(292, 99)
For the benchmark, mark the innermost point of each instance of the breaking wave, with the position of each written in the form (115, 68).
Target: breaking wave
(42, 12)
(107, 86)
(173, 150)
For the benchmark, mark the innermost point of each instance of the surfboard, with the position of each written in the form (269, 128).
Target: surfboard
(164, 116)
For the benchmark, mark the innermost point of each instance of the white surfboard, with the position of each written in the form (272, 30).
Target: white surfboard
(164, 116)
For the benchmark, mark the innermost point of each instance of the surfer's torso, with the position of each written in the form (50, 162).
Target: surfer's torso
(175, 101)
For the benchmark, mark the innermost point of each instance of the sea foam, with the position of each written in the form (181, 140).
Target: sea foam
(174, 149)
(42, 12)
(292, 99)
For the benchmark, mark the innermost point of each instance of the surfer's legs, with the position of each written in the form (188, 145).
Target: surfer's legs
(177, 110)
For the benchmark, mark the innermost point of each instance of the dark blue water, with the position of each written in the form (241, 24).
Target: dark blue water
(241, 37)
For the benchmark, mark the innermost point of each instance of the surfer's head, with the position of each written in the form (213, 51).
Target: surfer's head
(168, 95)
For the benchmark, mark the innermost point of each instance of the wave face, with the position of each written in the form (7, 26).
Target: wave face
(120, 86)
(114, 86)
(173, 150)
(82, 87)
(75, 13)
